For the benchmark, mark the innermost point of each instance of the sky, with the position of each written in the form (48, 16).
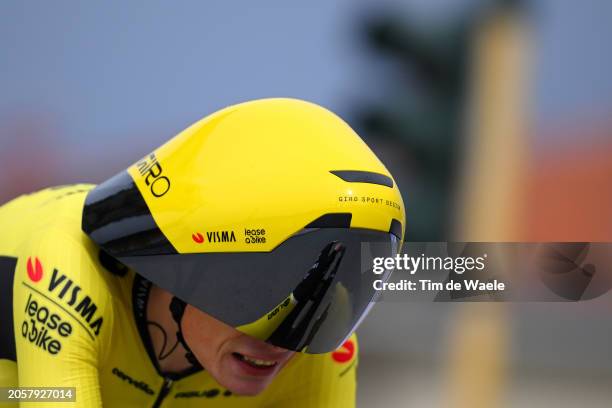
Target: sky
(99, 71)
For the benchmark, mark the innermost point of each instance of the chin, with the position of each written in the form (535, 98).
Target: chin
(243, 386)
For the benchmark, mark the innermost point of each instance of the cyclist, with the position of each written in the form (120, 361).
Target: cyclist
(230, 267)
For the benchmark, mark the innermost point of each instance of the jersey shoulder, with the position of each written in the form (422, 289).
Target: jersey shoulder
(59, 277)
(335, 362)
(24, 217)
(327, 379)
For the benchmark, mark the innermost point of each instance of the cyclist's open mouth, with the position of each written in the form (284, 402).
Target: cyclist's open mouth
(255, 366)
(255, 362)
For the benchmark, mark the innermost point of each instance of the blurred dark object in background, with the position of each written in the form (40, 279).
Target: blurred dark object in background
(425, 111)
(423, 115)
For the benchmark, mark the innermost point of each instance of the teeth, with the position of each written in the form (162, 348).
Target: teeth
(261, 363)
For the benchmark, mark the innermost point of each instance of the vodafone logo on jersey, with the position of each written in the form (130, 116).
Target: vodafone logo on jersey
(345, 353)
(35, 269)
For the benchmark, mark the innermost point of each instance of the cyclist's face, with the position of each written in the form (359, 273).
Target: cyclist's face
(241, 363)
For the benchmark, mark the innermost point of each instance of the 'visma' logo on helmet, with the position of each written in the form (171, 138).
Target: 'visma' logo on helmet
(220, 236)
(151, 170)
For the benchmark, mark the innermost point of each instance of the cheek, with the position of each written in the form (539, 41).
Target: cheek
(207, 337)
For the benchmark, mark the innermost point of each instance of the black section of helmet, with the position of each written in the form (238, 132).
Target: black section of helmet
(117, 218)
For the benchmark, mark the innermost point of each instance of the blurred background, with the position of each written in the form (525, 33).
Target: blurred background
(495, 118)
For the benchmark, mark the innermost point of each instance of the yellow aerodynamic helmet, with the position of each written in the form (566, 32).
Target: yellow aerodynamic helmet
(265, 215)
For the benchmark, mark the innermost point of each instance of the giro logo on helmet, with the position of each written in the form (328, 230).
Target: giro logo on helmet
(35, 269)
(151, 170)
